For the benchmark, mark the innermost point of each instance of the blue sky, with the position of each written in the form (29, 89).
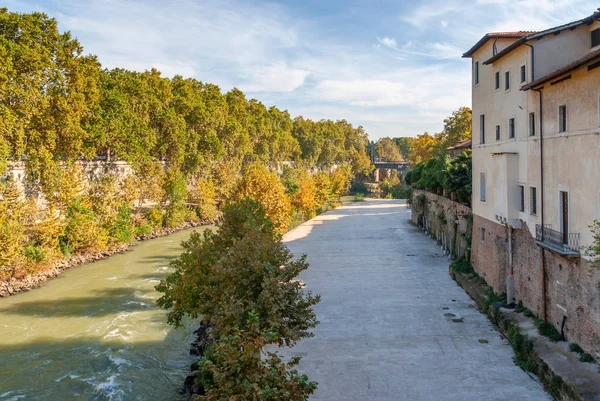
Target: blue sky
(394, 67)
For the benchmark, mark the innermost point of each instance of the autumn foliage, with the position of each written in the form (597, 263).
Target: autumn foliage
(188, 149)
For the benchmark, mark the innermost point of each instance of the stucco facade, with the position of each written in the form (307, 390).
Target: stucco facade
(544, 176)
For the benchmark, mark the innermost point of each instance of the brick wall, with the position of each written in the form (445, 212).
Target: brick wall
(456, 234)
(489, 254)
(572, 286)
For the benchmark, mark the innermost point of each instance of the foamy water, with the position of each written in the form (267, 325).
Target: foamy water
(95, 333)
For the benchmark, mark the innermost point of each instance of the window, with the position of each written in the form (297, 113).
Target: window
(532, 201)
(476, 72)
(523, 74)
(497, 81)
(511, 128)
(596, 37)
(521, 198)
(482, 128)
(562, 118)
(531, 124)
(482, 187)
(507, 80)
(497, 132)
(482, 231)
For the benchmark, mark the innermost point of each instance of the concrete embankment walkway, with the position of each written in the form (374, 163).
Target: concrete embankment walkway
(394, 325)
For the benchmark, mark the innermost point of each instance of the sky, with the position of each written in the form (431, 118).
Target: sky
(394, 67)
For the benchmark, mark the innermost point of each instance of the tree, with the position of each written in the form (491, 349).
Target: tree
(388, 150)
(175, 194)
(457, 128)
(423, 148)
(242, 281)
(304, 200)
(459, 177)
(340, 181)
(405, 146)
(12, 231)
(323, 188)
(260, 184)
(203, 196)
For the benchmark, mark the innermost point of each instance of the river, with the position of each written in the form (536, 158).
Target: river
(95, 333)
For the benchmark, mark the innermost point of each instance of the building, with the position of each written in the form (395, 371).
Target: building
(458, 148)
(536, 158)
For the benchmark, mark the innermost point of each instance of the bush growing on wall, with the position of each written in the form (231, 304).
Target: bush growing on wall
(441, 175)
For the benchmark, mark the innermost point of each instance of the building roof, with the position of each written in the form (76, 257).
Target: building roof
(461, 145)
(595, 55)
(538, 35)
(496, 35)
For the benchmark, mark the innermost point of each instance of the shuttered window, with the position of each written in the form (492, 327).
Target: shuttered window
(497, 80)
(511, 128)
(482, 187)
(476, 72)
(533, 200)
(507, 80)
(497, 132)
(531, 124)
(596, 37)
(523, 74)
(482, 128)
(521, 198)
(562, 118)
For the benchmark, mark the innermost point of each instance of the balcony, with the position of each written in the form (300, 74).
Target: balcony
(555, 241)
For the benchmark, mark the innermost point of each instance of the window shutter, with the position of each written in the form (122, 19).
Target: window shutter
(596, 37)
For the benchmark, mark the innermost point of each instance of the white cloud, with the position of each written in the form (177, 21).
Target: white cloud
(388, 42)
(277, 77)
(309, 65)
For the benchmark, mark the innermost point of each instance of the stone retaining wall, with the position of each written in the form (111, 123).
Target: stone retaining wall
(448, 221)
(572, 285)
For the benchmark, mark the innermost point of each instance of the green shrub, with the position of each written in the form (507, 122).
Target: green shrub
(34, 252)
(587, 358)
(121, 231)
(143, 229)
(575, 348)
(359, 197)
(462, 266)
(359, 188)
(548, 330)
(155, 216)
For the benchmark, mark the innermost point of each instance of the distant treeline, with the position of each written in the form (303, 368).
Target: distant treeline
(57, 104)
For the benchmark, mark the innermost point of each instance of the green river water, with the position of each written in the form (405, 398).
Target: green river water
(95, 333)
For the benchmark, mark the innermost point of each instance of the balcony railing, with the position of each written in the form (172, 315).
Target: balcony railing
(565, 244)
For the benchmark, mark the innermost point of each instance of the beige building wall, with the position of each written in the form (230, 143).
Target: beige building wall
(572, 158)
(504, 162)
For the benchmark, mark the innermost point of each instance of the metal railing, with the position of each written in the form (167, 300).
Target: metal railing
(564, 243)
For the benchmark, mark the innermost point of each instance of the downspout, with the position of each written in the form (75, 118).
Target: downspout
(544, 300)
(510, 280)
(545, 311)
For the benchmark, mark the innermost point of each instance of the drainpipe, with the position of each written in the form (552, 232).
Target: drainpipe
(532, 61)
(510, 279)
(545, 310)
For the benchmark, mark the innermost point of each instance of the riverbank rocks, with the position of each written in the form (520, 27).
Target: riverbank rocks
(12, 286)
(192, 384)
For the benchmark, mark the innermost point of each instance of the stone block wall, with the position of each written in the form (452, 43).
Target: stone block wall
(445, 219)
